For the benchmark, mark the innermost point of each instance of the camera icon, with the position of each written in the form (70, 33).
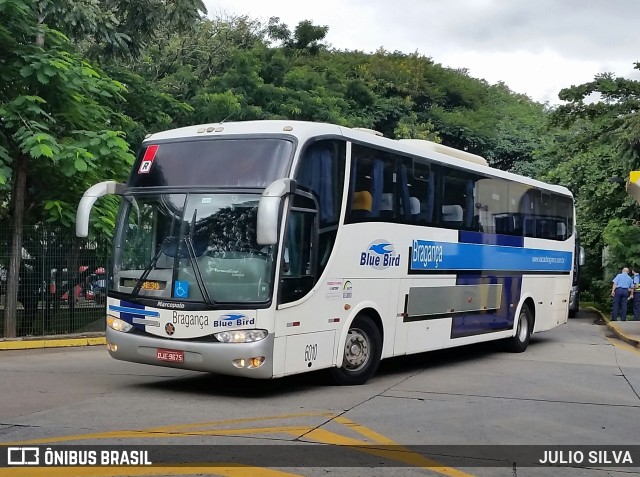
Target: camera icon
(23, 456)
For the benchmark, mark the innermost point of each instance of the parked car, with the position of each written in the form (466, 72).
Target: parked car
(93, 288)
(80, 292)
(99, 289)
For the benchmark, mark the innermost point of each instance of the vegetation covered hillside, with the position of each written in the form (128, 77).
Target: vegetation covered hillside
(82, 83)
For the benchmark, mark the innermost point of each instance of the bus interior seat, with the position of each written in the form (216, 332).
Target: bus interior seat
(386, 205)
(452, 215)
(561, 231)
(414, 207)
(361, 204)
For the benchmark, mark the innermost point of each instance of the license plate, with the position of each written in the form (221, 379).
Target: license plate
(175, 356)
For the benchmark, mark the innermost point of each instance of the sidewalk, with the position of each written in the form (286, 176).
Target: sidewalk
(628, 331)
(57, 341)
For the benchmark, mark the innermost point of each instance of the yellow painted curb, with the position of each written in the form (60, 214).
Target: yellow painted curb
(52, 343)
(96, 341)
(614, 328)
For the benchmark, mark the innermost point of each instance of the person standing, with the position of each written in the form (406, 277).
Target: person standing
(635, 272)
(621, 291)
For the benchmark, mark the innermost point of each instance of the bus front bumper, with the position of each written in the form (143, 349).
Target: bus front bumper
(223, 358)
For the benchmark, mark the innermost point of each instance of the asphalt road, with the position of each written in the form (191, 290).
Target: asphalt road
(575, 386)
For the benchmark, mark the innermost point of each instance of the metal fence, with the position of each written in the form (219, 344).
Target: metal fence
(63, 282)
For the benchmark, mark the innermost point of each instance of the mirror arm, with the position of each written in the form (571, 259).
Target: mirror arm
(89, 198)
(269, 210)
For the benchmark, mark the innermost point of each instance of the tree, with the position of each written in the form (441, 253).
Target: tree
(54, 107)
(106, 29)
(594, 136)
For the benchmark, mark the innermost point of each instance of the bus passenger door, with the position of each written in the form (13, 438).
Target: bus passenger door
(298, 272)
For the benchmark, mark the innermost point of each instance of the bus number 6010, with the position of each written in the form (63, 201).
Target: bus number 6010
(310, 352)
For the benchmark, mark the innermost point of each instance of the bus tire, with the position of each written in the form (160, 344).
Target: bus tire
(519, 342)
(361, 353)
(574, 312)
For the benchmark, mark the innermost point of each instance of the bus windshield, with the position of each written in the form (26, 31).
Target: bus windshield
(198, 247)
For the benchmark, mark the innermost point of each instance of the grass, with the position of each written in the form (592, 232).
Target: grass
(598, 306)
(61, 321)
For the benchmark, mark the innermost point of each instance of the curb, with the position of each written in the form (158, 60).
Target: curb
(619, 334)
(51, 342)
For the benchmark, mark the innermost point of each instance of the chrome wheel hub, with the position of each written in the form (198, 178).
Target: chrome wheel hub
(523, 328)
(357, 350)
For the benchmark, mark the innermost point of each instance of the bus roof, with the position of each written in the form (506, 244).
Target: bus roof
(304, 130)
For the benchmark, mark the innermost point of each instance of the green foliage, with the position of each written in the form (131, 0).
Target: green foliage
(117, 28)
(215, 107)
(409, 128)
(623, 241)
(305, 39)
(162, 65)
(170, 67)
(590, 139)
(55, 108)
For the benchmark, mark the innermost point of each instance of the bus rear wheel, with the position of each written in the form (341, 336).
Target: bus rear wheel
(519, 342)
(361, 353)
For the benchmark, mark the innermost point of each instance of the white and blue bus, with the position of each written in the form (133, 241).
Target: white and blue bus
(269, 248)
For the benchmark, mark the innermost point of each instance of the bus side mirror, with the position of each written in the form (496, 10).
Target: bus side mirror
(269, 210)
(582, 257)
(89, 198)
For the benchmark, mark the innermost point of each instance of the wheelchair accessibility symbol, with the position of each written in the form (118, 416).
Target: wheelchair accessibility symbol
(181, 289)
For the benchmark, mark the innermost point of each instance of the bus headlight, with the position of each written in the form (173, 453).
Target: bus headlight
(117, 324)
(241, 336)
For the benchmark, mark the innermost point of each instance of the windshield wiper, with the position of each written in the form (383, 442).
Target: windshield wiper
(196, 270)
(151, 266)
(194, 261)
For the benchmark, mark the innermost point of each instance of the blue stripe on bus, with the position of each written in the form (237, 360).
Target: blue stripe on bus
(465, 236)
(431, 256)
(134, 311)
(501, 319)
(130, 304)
(129, 317)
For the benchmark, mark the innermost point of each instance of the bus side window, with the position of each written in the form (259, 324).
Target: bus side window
(410, 207)
(458, 199)
(298, 274)
(373, 186)
(521, 205)
(492, 206)
(321, 172)
(564, 210)
(422, 187)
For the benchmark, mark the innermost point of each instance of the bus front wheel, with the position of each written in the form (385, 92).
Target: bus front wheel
(519, 342)
(361, 353)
